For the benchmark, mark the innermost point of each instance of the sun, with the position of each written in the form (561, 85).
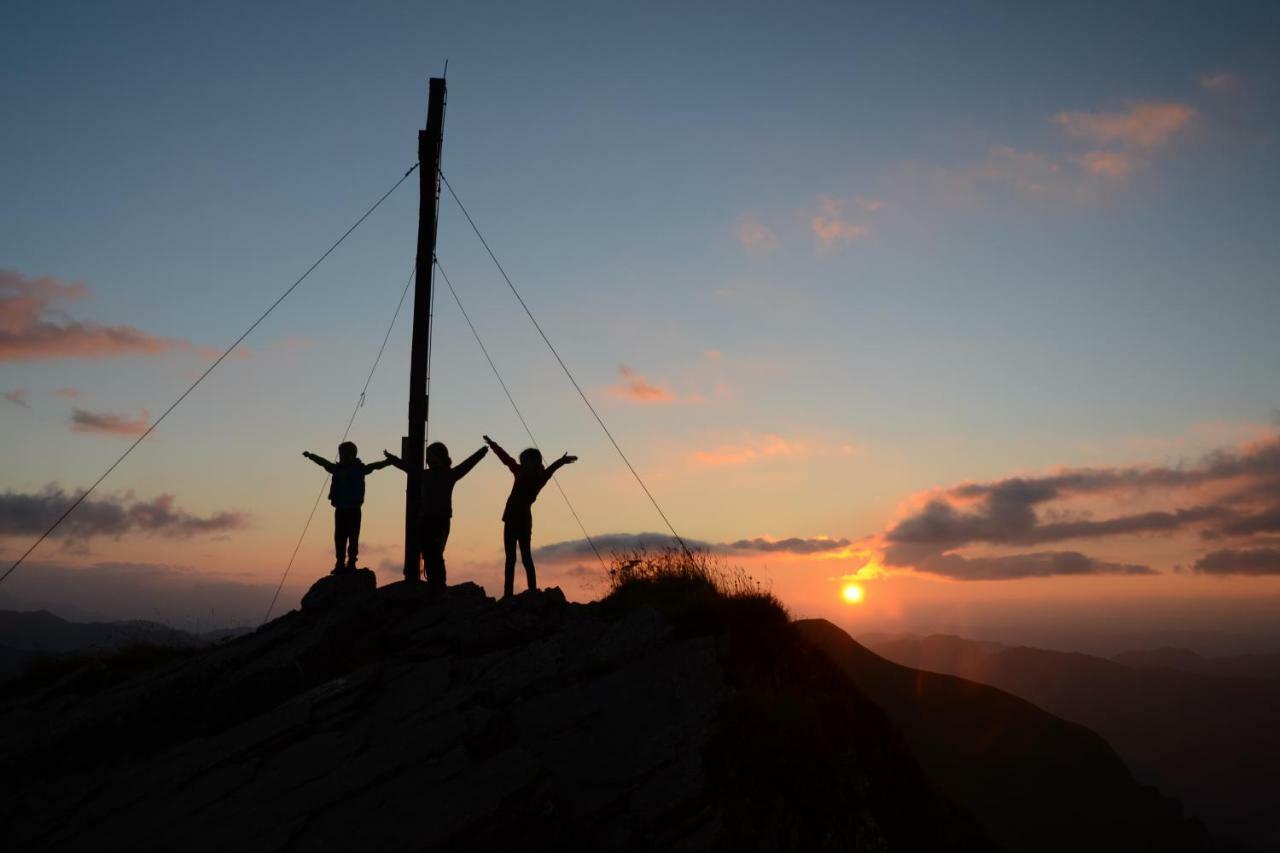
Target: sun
(852, 593)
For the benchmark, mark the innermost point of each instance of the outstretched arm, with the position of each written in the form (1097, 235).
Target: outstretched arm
(392, 459)
(464, 467)
(370, 467)
(503, 455)
(560, 463)
(319, 460)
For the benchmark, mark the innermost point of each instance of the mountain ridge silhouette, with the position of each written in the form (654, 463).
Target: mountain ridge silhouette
(395, 718)
(1208, 740)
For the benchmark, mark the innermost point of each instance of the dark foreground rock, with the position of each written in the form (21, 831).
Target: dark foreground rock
(399, 720)
(339, 589)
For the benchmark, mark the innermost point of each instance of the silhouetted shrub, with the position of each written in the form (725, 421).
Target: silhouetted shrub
(692, 585)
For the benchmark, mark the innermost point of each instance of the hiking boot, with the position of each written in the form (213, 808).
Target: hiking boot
(337, 567)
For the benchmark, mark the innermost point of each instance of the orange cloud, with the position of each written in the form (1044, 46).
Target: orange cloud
(832, 228)
(754, 235)
(752, 450)
(637, 389)
(28, 332)
(107, 423)
(1145, 125)
(1107, 164)
(18, 396)
(831, 232)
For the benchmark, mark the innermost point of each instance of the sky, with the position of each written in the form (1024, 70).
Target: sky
(970, 304)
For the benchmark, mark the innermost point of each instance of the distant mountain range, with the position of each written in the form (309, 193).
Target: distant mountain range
(26, 636)
(1186, 660)
(1179, 720)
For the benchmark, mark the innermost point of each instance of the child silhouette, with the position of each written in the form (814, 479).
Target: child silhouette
(517, 517)
(435, 512)
(346, 493)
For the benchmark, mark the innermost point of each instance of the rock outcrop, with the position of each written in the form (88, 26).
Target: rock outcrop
(398, 720)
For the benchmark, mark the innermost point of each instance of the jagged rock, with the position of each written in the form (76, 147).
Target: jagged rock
(339, 588)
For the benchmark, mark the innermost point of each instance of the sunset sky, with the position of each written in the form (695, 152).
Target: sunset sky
(974, 303)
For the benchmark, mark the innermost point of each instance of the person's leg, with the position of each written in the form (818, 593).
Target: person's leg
(434, 531)
(443, 533)
(526, 556)
(353, 542)
(509, 576)
(339, 537)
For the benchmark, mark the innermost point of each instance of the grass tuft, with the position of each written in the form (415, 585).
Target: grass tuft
(691, 585)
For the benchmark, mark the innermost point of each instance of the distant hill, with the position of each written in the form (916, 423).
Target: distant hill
(1210, 741)
(1186, 660)
(28, 635)
(41, 631)
(1034, 781)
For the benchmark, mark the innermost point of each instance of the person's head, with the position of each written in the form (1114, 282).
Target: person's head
(346, 451)
(438, 455)
(531, 458)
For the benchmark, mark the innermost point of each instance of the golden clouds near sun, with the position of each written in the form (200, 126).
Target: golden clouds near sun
(852, 593)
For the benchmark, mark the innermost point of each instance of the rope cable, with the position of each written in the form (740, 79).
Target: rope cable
(566, 370)
(519, 415)
(85, 494)
(359, 405)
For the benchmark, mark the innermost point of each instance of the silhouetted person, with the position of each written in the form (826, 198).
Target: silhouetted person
(435, 512)
(517, 528)
(346, 493)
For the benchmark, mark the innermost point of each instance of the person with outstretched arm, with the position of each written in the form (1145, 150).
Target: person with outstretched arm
(435, 512)
(517, 517)
(346, 493)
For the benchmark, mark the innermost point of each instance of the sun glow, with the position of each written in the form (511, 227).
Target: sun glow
(852, 593)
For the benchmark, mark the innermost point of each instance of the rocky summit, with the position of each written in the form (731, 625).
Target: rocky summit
(667, 717)
(400, 720)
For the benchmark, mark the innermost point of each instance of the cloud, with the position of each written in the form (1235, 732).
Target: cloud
(1007, 517)
(833, 229)
(754, 235)
(637, 389)
(106, 423)
(610, 543)
(18, 396)
(1266, 521)
(750, 450)
(69, 393)
(1108, 164)
(791, 545)
(32, 325)
(1236, 494)
(1220, 82)
(1019, 566)
(832, 232)
(1146, 125)
(26, 514)
(1256, 561)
